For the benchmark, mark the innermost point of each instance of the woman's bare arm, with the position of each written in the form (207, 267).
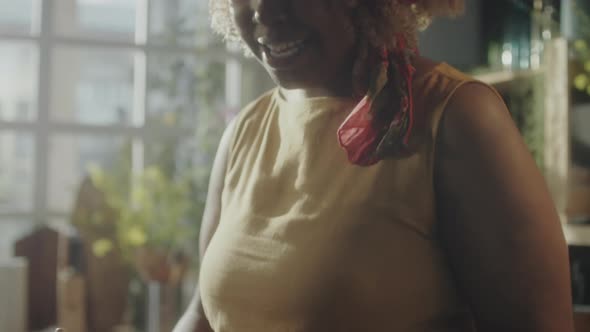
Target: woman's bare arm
(194, 319)
(498, 222)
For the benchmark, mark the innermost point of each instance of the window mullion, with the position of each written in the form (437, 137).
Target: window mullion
(43, 102)
(139, 84)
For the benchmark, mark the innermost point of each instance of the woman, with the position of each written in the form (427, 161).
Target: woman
(373, 190)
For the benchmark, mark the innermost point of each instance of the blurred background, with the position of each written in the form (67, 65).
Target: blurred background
(110, 115)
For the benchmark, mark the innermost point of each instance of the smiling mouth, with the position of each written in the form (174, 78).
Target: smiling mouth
(283, 51)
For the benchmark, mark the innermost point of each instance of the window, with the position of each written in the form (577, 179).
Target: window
(17, 160)
(89, 82)
(18, 16)
(19, 80)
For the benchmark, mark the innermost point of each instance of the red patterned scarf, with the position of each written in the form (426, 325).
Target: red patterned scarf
(381, 124)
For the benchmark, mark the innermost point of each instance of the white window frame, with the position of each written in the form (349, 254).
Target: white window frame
(43, 127)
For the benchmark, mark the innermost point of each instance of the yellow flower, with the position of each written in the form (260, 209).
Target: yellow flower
(102, 247)
(136, 236)
(581, 82)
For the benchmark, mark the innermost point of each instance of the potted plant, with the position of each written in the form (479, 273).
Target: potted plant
(153, 227)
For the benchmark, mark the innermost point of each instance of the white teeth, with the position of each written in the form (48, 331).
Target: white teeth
(281, 50)
(280, 47)
(284, 54)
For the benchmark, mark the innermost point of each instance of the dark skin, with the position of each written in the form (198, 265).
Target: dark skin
(323, 67)
(497, 223)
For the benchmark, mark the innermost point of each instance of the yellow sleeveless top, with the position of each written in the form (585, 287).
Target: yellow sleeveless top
(308, 242)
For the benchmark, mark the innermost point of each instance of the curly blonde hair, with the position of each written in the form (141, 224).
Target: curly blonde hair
(379, 21)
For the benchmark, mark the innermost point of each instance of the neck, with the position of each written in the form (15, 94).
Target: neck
(339, 86)
(344, 87)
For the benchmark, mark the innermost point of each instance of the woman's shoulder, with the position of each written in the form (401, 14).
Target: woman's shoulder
(253, 113)
(445, 70)
(251, 116)
(439, 82)
(257, 107)
(438, 77)
(442, 89)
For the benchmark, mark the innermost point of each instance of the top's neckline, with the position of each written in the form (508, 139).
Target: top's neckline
(333, 102)
(312, 103)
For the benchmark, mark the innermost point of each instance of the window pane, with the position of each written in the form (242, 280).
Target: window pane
(16, 172)
(18, 81)
(92, 86)
(181, 155)
(180, 87)
(12, 231)
(16, 16)
(100, 19)
(181, 22)
(71, 156)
